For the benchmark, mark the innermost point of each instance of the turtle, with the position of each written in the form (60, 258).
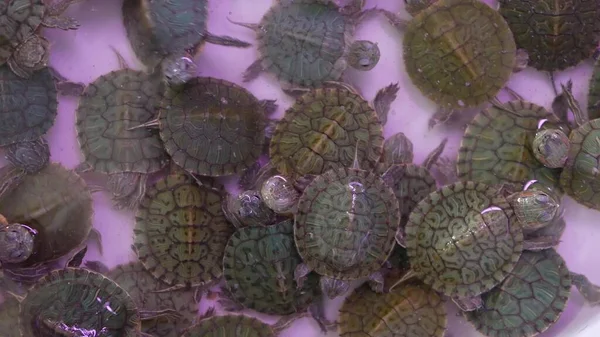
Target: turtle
(307, 43)
(212, 127)
(413, 310)
(279, 194)
(248, 209)
(108, 111)
(45, 218)
(594, 92)
(165, 35)
(233, 325)
(458, 53)
(532, 297)
(9, 311)
(181, 232)
(319, 132)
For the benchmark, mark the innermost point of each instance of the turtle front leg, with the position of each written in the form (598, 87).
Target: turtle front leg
(589, 291)
(170, 314)
(334, 288)
(541, 243)
(128, 189)
(394, 19)
(64, 86)
(224, 40)
(468, 303)
(383, 101)
(441, 116)
(376, 282)
(77, 259)
(300, 274)
(270, 106)
(252, 72)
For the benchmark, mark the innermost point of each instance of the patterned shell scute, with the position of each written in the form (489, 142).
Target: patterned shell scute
(139, 284)
(259, 266)
(305, 42)
(57, 204)
(459, 53)
(594, 93)
(346, 223)
(158, 28)
(111, 105)
(27, 106)
(9, 310)
(321, 130)
(413, 310)
(496, 147)
(18, 20)
(579, 178)
(555, 34)
(463, 239)
(181, 232)
(529, 301)
(212, 127)
(230, 326)
(78, 300)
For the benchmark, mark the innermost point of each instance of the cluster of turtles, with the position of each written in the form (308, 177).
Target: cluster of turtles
(323, 200)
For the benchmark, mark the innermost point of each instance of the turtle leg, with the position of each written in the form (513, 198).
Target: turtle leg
(225, 41)
(64, 86)
(445, 170)
(83, 168)
(122, 63)
(541, 243)
(97, 266)
(252, 72)
(96, 236)
(441, 116)
(300, 273)
(589, 291)
(468, 303)
(317, 312)
(394, 19)
(228, 304)
(580, 116)
(285, 321)
(434, 156)
(128, 189)
(553, 82)
(77, 259)
(522, 59)
(333, 287)
(560, 108)
(170, 314)
(383, 100)
(270, 105)
(376, 281)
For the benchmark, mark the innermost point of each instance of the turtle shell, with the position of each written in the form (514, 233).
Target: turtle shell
(579, 178)
(19, 20)
(27, 107)
(155, 29)
(9, 310)
(459, 53)
(108, 108)
(463, 239)
(413, 310)
(321, 130)
(57, 204)
(530, 299)
(305, 43)
(259, 266)
(140, 284)
(555, 34)
(78, 300)
(230, 326)
(212, 127)
(594, 93)
(181, 232)
(496, 147)
(346, 223)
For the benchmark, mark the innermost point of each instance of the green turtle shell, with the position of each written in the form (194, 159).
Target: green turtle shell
(449, 248)
(57, 204)
(496, 147)
(321, 130)
(78, 299)
(594, 93)
(28, 106)
(140, 284)
(230, 326)
(346, 223)
(108, 108)
(459, 53)
(212, 127)
(530, 299)
(555, 34)
(579, 178)
(305, 43)
(9, 311)
(181, 232)
(18, 20)
(258, 268)
(413, 310)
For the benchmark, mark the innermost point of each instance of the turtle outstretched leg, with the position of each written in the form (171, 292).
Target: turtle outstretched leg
(77, 259)
(252, 72)
(441, 116)
(383, 101)
(589, 291)
(96, 236)
(226, 41)
(394, 19)
(468, 303)
(434, 156)
(66, 87)
(300, 274)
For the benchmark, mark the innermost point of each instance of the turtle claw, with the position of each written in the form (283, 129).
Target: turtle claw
(253, 26)
(589, 291)
(383, 100)
(253, 71)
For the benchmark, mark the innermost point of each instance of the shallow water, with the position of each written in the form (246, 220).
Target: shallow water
(85, 54)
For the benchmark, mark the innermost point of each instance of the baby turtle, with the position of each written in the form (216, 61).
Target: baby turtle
(212, 127)
(248, 209)
(181, 232)
(108, 110)
(414, 310)
(532, 297)
(319, 132)
(450, 63)
(594, 92)
(169, 33)
(307, 43)
(234, 326)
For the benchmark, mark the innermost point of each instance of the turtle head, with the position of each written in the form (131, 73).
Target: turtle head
(364, 55)
(551, 147)
(178, 69)
(535, 208)
(414, 7)
(16, 243)
(30, 156)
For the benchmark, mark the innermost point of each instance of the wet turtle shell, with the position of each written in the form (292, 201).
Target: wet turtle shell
(72, 298)
(320, 132)
(28, 106)
(579, 178)
(9, 310)
(449, 248)
(413, 310)
(496, 147)
(212, 127)
(108, 108)
(346, 223)
(594, 93)
(259, 266)
(20, 19)
(181, 232)
(556, 34)
(450, 63)
(230, 326)
(530, 299)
